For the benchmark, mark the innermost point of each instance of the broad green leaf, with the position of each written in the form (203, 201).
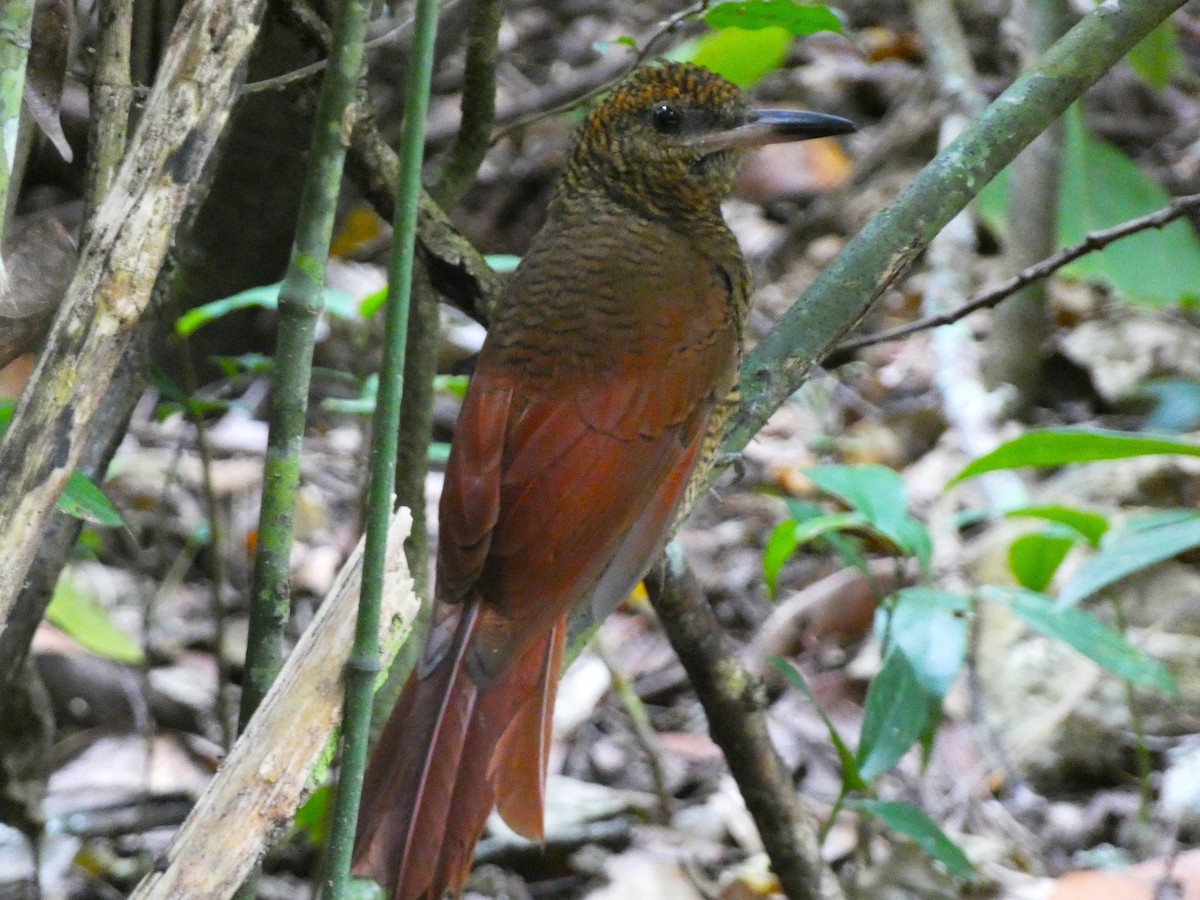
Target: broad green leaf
(1176, 404)
(1131, 550)
(82, 499)
(897, 710)
(851, 779)
(741, 56)
(1085, 633)
(788, 536)
(1060, 446)
(372, 303)
(314, 814)
(338, 304)
(1101, 187)
(878, 493)
(1091, 526)
(796, 18)
(930, 628)
(1034, 558)
(908, 820)
(78, 615)
(1157, 57)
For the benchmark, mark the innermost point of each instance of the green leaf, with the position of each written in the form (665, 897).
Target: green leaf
(1034, 558)
(439, 452)
(1157, 56)
(1130, 550)
(736, 54)
(1101, 187)
(1085, 633)
(338, 304)
(313, 816)
(795, 18)
(363, 404)
(80, 617)
(8, 406)
(82, 499)
(372, 303)
(906, 819)
(851, 779)
(1091, 526)
(930, 628)
(251, 363)
(788, 536)
(878, 493)
(452, 384)
(1060, 446)
(897, 710)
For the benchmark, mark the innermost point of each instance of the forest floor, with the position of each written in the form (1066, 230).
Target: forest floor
(1042, 765)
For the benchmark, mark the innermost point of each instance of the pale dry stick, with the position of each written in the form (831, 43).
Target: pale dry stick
(118, 267)
(264, 778)
(1097, 240)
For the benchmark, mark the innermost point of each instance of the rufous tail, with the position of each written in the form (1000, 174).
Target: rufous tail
(448, 751)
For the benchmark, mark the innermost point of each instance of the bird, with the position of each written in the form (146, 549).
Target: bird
(603, 384)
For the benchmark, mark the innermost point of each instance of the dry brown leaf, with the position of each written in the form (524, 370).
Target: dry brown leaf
(47, 69)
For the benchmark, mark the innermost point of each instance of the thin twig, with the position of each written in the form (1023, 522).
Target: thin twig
(112, 97)
(733, 701)
(1097, 240)
(643, 731)
(570, 90)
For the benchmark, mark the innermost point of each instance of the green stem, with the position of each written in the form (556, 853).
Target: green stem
(884, 250)
(364, 659)
(300, 303)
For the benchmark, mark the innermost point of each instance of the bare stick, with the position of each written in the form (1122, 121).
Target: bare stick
(1097, 240)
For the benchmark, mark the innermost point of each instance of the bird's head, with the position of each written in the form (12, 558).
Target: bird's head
(668, 139)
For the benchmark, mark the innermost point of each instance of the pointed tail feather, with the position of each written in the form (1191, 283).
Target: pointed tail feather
(431, 781)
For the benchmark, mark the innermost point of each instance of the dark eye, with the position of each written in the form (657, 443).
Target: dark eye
(666, 119)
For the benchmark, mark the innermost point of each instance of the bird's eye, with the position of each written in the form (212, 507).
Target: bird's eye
(666, 119)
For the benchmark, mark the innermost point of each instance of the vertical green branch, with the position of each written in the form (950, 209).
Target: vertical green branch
(300, 302)
(364, 660)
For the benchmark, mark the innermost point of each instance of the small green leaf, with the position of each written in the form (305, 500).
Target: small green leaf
(338, 304)
(1034, 558)
(930, 628)
(372, 303)
(788, 536)
(506, 262)
(1157, 56)
(851, 779)
(1130, 550)
(1085, 633)
(314, 814)
(795, 18)
(908, 820)
(249, 363)
(82, 499)
(452, 384)
(1089, 525)
(1060, 446)
(81, 618)
(736, 54)
(897, 710)
(878, 494)
(363, 404)
(8, 406)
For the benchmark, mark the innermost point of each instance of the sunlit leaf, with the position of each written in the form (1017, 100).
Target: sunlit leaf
(736, 54)
(1130, 550)
(338, 304)
(1089, 525)
(795, 18)
(908, 820)
(879, 495)
(788, 536)
(1085, 633)
(1060, 446)
(82, 499)
(1034, 558)
(78, 615)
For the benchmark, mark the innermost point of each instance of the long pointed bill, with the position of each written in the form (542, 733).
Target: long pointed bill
(773, 126)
